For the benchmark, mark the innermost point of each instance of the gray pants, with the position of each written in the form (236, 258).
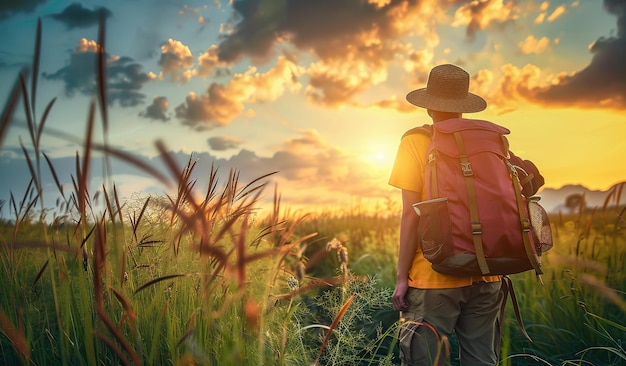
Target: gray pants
(471, 312)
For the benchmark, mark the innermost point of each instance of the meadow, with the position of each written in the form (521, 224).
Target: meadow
(202, 276)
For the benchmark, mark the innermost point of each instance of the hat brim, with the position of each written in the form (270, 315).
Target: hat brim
(470, 104)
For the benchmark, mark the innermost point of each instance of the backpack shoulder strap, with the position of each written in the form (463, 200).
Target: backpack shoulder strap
(424, 130)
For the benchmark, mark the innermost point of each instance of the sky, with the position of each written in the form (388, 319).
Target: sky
(313, 90)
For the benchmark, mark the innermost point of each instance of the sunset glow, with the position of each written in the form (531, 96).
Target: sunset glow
(315, 89)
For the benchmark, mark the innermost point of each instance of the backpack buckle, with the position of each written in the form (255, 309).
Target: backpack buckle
(466, 167)
(477, 227)
(431, 157)
(525, 224)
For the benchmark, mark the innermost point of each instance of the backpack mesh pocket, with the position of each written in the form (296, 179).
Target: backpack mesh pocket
(434, 229)
(540, 223)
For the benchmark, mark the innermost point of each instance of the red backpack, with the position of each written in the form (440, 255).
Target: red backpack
(475, 218)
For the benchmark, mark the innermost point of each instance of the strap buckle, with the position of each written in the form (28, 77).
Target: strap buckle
(432, 157)
(466, 167)
(525, 224)
(477, 228)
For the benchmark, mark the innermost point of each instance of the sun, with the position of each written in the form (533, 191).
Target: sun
(378, 157)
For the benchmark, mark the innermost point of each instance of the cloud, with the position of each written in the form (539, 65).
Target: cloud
(533, 45)
(310, 171)
(194, 12)
(9, 8)
(308, 163)
(207, 62)
(480, 15)
(214, 109)
(221, 143)
(515, 84)
(560, 10)
(125, 78)
(79, 73)
(351, 55)
(176, 61)
(602, 84)
(335, 84)
(618, 7)
(395, 103)
(75, 16)
(556, 13)
(157, 110)
(223, 102)
(319, 26)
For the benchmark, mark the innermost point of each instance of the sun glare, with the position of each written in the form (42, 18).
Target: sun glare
(378, 158)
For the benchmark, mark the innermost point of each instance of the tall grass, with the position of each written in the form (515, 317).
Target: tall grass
(180, 278)
(579, 316)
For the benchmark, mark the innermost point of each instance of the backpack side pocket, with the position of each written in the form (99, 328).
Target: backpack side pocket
(434, 229)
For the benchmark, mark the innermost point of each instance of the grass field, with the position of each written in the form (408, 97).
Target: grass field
(178, 279)
(156, 289)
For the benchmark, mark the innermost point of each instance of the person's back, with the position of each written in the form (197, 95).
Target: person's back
(433, 305)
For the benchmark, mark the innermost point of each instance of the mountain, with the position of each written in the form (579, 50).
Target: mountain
(553, 200)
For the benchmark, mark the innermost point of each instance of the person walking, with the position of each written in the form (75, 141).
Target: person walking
(432, 305)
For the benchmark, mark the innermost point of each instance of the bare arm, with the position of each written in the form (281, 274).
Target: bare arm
(408, 246)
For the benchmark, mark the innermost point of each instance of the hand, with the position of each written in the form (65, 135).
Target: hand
(398, 298)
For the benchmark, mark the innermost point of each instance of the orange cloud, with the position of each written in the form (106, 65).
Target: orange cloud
(352, 55)
(395, 103)
(207, 62)
(533, 45)
(540, 18)
(513, 86)
(222, 103)
(176, 61)
(560, 10)
(556, 13)
(335, 84)
(597, 86)
(85, 45)
(481, 14)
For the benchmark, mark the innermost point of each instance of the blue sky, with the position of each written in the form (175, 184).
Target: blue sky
(315, 89)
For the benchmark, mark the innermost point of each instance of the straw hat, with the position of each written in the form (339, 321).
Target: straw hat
(447, 91)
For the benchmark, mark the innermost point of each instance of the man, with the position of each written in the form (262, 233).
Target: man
(434, 305)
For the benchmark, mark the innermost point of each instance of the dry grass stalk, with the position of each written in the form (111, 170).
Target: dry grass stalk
(54, 175)
(43, 268)
(157, 280)
(31, 168)
(9, 108)
(132, 316)
(333, 325)
(113, 347)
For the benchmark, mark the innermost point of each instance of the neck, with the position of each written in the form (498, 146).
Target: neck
(438, 116)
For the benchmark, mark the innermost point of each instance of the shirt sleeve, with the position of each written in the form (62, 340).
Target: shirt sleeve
(408, 168)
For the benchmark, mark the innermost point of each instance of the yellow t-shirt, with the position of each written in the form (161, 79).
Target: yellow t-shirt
(408, 174)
